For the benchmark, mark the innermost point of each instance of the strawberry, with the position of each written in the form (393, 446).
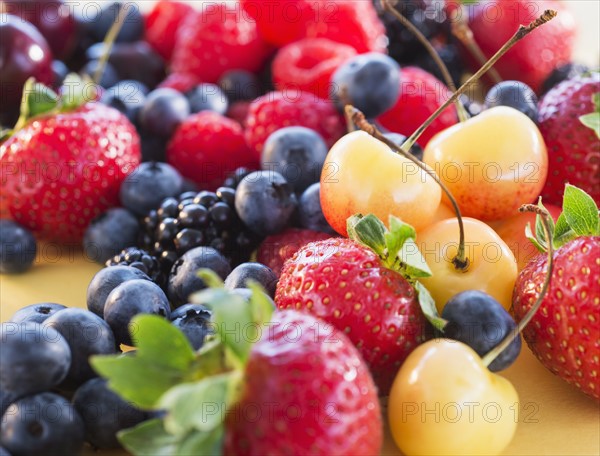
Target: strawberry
(182, 82)
(218, 38)
(347, 284)
(206, 147)
(493, 22)
(276, 110)
(65, 162)
(276, 249)
(162, 24)
(308, 65)
(564, 333)
(573, 148)
(421, 94)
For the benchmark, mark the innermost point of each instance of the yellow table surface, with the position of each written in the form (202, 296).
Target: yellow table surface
(556, 418)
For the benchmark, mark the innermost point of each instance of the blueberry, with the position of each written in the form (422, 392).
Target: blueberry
(240, 85)
(33, 358)
(60, 72)
(109, 75)
(17, 247)
(146, 188)
(207, 97)
(562, 73)
(36, 313)
(297, 153)
(110, 233)
(370, 82)
(154, 148)
(6, 399)
(133, 26)
(87, 334)
(4, 451)
(129, 299)
(41, 425)
(398, 139)
(163, 111)
(183, 281)
(105, 281)
(242, 274)
(104, 413)
(194, 321)
(515, 94)
(310, 212)
(478, 320)
(127, 97)
(265, 202)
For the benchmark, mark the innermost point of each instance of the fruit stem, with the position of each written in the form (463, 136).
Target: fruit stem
(523, 31)
(460, 261)
(387, 6)
(462, 31)
(546, 217)
(109, 40)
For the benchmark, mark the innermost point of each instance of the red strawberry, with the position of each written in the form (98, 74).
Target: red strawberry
(347, 285)
(308, 65)
(206, 147)
(494, 21)
(564, 333)
(276, 110)
(276, 249)
(59, 171)
(162, 24)
(421, 94)
(218, 38)
(310, 391)
(182, 82)
(573, 148)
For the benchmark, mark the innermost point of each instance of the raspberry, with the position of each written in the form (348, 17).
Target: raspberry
(162, 24)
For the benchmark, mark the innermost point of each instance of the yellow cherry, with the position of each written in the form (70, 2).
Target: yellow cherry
(444, 401)
(492, 266)
(492, 163)
(363, 175)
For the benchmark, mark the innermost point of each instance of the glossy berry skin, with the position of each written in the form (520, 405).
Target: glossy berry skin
(479, 321)
(297, 153)
(148, 185)
(308, 65)
(42, 424)
(562, 73)
(194, 321)
(24, 53)
(514, 94)
(564, 333)
(335, 382)
(492, 266)
(86, 153)
(126, 96)
(33, 358)
(444, 376)
(163, 111)
(257, 272)
(573, 148)
(491, 185)
(134, 22)
(17, 248)
(265, 202)
(207, 97)
(369, 82)
(207, 147)
(401, 188)
(109, 76)
(104, 413)
(346, 285)
(216, 39)
(240, 85)
(276, 110)
(139, 259)
(162, 23)
(87, 334)
(310, 212)
(36, 313)
(110, 233)
(129, 299)
(183, 281)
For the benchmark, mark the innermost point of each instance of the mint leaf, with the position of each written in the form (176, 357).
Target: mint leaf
(368, 230)
(149, 439)
(412, 260)
(592, 120)
(429, 308)
(581, 212)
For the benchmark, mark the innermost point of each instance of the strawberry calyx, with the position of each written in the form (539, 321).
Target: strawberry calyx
(164, 373)
(579, 218)
(592, 120)
(398, 250)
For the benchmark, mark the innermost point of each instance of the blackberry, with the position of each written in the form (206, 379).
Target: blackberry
(233, 180)
(450, 55)
(142, 260)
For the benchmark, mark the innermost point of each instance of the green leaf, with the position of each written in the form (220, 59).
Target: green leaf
(562, 232)
(210, 360)
(210, 278)
(262, 308)
(529, 235)
(581, 212)
(428, 307)
(202, 443)
(540, 232)
(76, 91)
(149, 439)
(412, 260)
(399, 232)
(37, 100)
(592, 120)
(368, 230)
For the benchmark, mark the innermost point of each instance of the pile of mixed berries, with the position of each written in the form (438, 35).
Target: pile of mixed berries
(217, 137)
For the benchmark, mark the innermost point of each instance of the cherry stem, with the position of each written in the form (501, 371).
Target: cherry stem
(387, 5)
(494, 352)
(462, 31)
(460, 261)
(522, 32)
(109, 41)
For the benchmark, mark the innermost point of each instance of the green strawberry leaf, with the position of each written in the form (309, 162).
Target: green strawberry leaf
(592, 120)
(562, 232)
(540, 232)
(397, 235)
(37, 100)
(580, 212)
(149, 439)
(368, 230)
(77, 91)
(202, 443)
(412, 261)
(529, 235)
(261, 307)
(210, 278)
(429, 308)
